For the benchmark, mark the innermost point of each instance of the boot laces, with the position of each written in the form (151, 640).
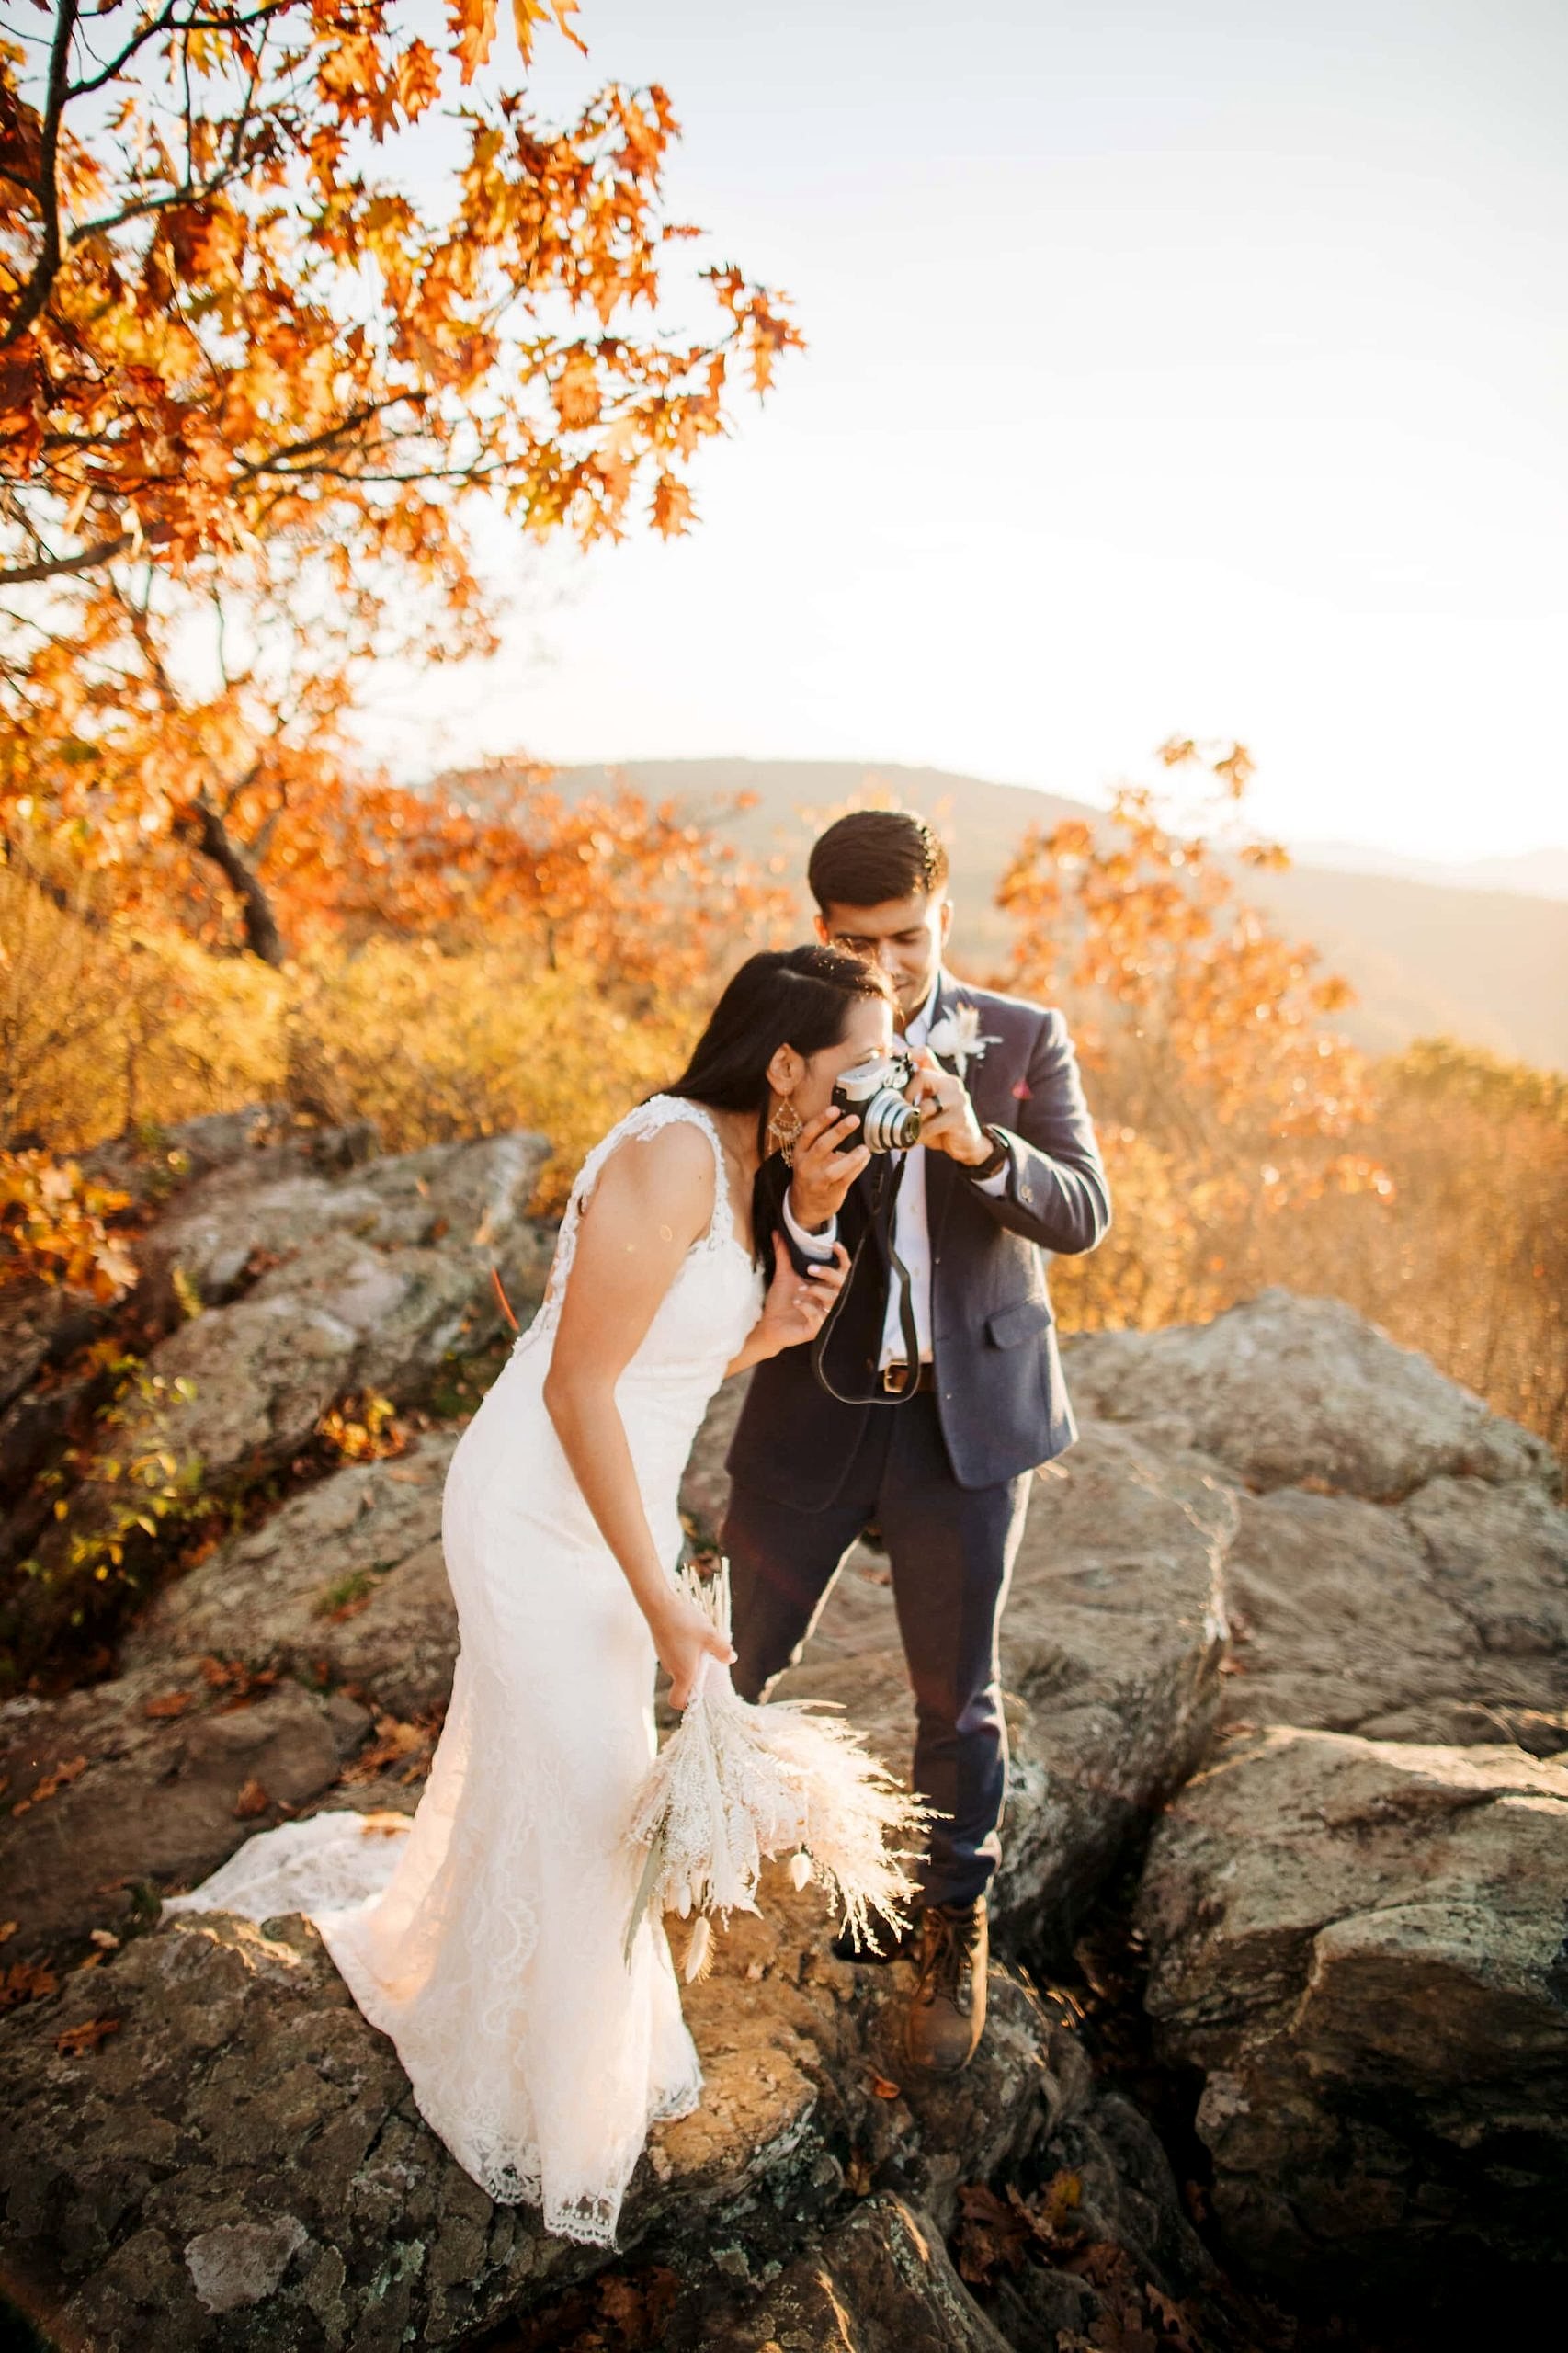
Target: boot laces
(948, 1964)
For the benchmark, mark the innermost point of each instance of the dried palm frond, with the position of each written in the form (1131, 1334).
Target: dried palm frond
(736, 1783)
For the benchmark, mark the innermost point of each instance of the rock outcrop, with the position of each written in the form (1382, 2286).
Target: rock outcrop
(1292, 1616)
(116, 1792)
(368, 1281)
(1364, 1945)
(1284, 1389)
(239, 2162)
(288, 1277)
(345, 1583)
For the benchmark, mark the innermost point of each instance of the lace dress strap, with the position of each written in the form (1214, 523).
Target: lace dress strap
(643, 1120)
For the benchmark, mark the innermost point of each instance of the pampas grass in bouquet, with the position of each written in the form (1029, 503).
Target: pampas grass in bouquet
(735, 1783)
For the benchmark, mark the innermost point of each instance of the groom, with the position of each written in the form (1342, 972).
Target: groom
(1006, 1171)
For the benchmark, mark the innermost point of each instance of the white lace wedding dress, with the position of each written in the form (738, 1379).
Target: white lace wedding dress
(486, 1938)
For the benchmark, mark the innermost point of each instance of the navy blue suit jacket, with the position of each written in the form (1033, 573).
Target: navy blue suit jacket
(1000, 1392)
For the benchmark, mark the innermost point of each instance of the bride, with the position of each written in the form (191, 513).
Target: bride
(486, 1938)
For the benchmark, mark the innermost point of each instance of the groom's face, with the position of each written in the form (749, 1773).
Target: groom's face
(905, 936)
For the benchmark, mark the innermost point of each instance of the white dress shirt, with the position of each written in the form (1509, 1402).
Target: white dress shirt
(910, 1226)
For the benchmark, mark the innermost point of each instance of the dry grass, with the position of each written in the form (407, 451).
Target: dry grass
(1460, 1248)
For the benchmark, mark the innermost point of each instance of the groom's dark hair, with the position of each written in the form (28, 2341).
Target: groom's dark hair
(874, 855)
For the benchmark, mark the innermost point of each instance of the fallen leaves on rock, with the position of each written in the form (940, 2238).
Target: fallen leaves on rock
(237, 1681)
(26, 1981)
(252, 1799)
(51, 1784)
(78, 2040)
(363, 1429)
(618, 2312)
(396, 1741)
(1000, 2232)
(995, 2233)
(171, 1703)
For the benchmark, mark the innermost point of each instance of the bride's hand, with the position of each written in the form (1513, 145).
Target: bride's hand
(797, 1305)
(683, 1637)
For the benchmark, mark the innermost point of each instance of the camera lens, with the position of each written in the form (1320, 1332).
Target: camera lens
(890, 1124)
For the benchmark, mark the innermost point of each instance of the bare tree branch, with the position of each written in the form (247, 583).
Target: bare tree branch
(58, 567)
(208, 834)
(35, 293)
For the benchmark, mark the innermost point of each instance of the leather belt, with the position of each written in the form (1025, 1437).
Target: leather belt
(894, 1377)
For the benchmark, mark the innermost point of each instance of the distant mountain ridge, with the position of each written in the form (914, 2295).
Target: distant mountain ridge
(1535, 874)
(1486, 965)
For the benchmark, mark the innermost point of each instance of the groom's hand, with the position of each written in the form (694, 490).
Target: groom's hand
(824, 1171)
(946, 1116)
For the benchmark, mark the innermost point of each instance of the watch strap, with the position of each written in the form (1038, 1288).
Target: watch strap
(997, 1159)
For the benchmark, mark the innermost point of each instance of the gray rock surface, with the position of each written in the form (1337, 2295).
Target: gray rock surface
(326, 1286)
(1282, 1388)
(39, 1323)
(239, 2162)
(1362, 1945)
(345, 1583)
(1113, 1639)
(282, 1208)
(1412, 1622)
(881, 2282)
(160, 1775)
(1277, 1536)
(155, 1163)
(377, 1274)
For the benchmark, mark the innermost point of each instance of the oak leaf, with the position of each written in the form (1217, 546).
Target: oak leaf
(90, 2036)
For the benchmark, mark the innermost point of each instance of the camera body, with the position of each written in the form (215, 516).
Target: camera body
(873, 1090)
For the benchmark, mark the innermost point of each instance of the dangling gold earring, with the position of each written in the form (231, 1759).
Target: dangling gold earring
(784, 1126)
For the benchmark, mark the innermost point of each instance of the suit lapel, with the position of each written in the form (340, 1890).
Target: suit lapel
(941, 1177)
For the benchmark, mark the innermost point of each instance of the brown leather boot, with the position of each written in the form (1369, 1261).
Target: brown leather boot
(947, 2010)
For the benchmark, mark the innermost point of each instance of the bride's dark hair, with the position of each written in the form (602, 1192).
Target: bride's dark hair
(791, 997)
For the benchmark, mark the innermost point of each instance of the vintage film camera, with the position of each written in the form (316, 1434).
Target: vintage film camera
(874, 1090)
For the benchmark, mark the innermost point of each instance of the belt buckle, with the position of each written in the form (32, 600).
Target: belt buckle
(893, 1388)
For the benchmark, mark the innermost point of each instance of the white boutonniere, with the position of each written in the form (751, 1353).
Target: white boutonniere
(958, 1037)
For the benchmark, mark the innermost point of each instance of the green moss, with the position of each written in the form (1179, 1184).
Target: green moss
(353, 1588)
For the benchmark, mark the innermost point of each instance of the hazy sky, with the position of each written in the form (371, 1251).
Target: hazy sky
(1173, 366)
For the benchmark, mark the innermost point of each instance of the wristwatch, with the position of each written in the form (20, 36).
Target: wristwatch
(997, 1158)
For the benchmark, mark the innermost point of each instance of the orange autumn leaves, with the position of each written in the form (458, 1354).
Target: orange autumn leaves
(220, 310)
(1221, 1090)
(54, 1227)
(249, 385)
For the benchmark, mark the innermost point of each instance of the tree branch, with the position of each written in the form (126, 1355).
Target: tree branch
(56, 567)
(165, 23)
(35, 293)
(208, 834)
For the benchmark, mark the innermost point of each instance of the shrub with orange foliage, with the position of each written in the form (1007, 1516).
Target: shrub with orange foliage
(1221, 1096)
(53, 1227)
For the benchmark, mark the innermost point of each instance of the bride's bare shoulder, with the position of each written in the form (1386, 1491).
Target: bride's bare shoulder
(668, 1169)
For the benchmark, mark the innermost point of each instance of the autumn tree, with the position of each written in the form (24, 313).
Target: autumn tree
(1223, 1092)
(249, 385)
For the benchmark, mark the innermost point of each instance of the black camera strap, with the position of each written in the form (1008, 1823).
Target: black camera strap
(885, 1181)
